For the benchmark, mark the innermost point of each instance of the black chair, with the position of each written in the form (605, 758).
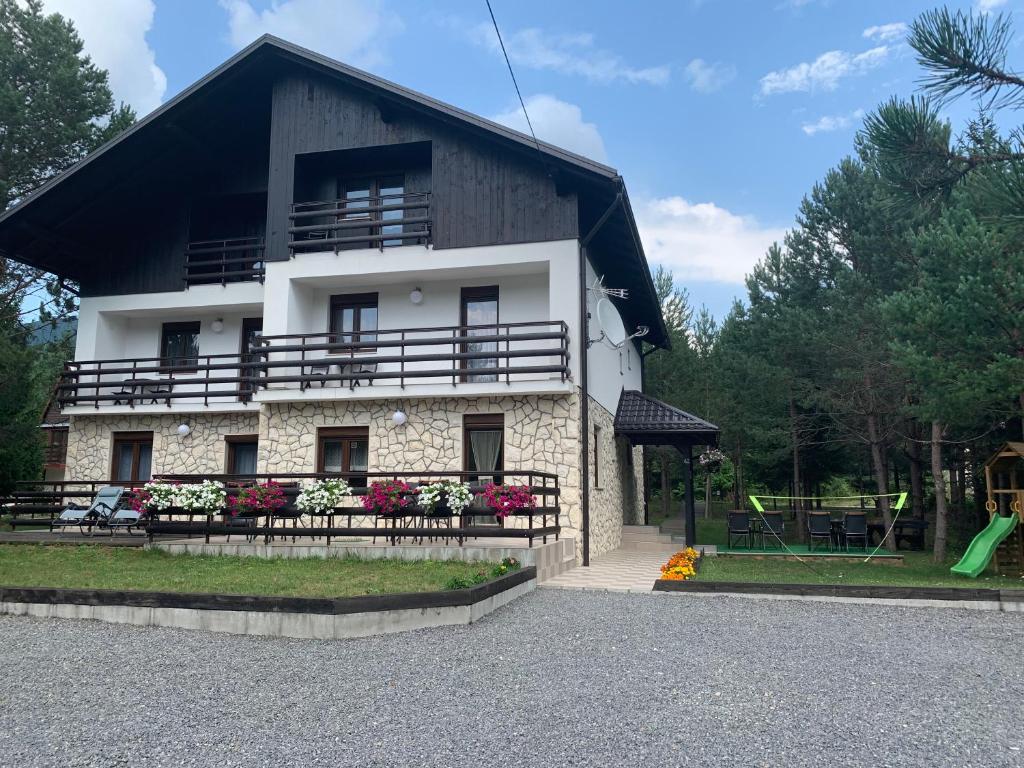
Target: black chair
(819, 526)
(773, 529)
(855, 526)
(739, 528)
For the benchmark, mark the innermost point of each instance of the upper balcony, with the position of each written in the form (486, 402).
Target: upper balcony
(360, 221)
(229, 260)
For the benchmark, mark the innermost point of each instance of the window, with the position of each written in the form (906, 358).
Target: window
(179, 345)
(344, 451)
(354, 318)
(597, 457)
(242, 451)
(132, 457)
(358, 196)
(479, 316)
(483, 446)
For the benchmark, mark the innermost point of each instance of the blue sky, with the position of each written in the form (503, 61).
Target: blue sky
(720, 114)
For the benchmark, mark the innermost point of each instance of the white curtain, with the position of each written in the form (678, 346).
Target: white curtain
(486, 447)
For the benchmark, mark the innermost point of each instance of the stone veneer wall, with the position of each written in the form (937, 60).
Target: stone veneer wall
(203, 450)
(619, 498)
(541, 433)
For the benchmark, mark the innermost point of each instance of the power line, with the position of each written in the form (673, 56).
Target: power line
(513, 74)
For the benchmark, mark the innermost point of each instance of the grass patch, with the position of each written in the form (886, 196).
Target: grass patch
(917, 570)
(98, 567)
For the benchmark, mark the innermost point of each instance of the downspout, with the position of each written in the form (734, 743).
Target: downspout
(584, 386)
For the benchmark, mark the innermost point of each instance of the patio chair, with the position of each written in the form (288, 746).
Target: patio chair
(739, 529)
(855, 526)
(819, 526)
(106, 503)
(773, 529)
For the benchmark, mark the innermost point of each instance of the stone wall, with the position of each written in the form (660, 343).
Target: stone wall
(617, 497)
(90, 441)
(541, 433)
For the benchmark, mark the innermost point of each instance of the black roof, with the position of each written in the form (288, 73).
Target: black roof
(646, 420)
(617, 250)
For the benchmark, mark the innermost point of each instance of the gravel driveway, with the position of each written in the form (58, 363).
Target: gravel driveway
(558, 678)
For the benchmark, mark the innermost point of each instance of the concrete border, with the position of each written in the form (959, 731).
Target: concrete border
(312, 618)
(1008, 600)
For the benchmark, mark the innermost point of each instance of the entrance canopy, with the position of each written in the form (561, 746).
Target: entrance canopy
(643, 420)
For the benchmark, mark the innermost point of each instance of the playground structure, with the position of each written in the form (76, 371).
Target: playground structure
(1002, 541)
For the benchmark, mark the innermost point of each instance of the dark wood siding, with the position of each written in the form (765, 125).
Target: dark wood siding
(480, 195)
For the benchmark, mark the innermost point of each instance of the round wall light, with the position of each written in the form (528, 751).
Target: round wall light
(416, 296)
(399, 418)
(183, 430)
(217, 326)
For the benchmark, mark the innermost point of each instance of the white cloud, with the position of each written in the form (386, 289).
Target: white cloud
(569, 54)
(701, 241)
(350, 30)
(987, 6)
(558, 123)
(708, 78)
(824, 73)
(827, 123)
(114, 35)
(887, 33)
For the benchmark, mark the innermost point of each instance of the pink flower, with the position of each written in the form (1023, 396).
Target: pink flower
(387, 497)
(507, 499)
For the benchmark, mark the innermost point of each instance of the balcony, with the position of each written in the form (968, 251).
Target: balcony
(204, 379)
(361, 222)
(311, 366)
(230, 260)
(452, 355)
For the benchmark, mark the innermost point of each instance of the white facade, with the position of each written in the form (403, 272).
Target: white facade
(537, 283)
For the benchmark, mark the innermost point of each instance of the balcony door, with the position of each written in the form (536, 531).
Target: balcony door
(358, 199)
(133, 457)
(252, 327)
(353, 319)
(479, 317)
(483, 452)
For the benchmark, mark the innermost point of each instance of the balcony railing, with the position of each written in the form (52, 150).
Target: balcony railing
(367, 222)
(232, 260)
(504, 352)
(153, 380)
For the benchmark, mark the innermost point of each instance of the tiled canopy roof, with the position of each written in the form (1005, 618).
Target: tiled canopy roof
(645, 419)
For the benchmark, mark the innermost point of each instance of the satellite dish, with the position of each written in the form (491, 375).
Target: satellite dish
(610, 323)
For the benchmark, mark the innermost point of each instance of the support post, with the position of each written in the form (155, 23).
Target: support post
(691, 515)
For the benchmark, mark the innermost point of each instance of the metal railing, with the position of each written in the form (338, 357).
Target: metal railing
(502, 352)
(231, 260)
(152, 380)
(366, 222)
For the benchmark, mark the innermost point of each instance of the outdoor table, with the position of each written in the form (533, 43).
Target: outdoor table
(838, 529)
(756, 532)
(140, 388)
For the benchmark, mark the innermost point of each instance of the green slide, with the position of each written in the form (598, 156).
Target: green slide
(984, 546)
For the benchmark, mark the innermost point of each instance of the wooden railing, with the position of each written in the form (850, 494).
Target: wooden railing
(368, 222)
(230, 260)
(152, 380)
(504, 352)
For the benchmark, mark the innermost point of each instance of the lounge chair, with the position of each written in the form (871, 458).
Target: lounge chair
(855, 526)
(773, 529)
(104, 506)
(739, 528)
(819, 526)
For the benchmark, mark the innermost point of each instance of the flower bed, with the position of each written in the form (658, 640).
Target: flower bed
(681, 566)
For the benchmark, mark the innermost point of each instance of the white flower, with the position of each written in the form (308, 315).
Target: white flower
(322, 495)
(458, 493)
(206, 496)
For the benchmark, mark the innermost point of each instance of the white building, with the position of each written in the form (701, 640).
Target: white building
(314, 270)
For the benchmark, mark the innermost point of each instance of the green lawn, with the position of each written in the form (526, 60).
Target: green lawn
(98, 567)
(917, 570)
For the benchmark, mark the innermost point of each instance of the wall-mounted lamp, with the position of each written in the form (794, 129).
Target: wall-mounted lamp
(399, 418)
(183, 430)
(217, 326)
(416, 296)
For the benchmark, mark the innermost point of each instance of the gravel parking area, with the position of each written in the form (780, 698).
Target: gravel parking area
(558, 678)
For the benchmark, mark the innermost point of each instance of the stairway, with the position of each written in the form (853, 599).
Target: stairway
(648, 538)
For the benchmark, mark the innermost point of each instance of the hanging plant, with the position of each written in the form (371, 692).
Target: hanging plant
(504, 500)
(387, 497)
